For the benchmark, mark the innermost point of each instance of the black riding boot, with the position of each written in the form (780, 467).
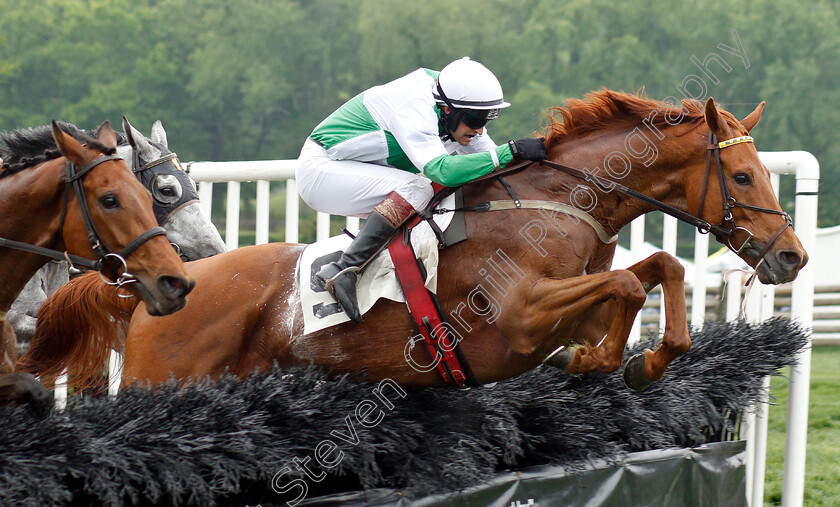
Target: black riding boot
(339, 278)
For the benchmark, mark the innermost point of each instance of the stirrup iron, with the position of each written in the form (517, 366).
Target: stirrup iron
(328, 284)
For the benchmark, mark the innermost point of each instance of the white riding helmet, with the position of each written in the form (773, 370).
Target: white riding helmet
(467, 84)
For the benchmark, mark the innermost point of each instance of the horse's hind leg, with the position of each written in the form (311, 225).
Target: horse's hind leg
(661, 268)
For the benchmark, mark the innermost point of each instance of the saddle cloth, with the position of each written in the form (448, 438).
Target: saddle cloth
(378, 280)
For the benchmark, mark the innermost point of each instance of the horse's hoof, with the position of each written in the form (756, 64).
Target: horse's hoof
(563, 358)
(634, 373)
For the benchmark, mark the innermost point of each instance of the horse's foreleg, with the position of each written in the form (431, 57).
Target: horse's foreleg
(553, 308)
(661, 268)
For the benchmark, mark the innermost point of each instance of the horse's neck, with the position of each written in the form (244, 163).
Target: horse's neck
(31, 202)
(658, 174)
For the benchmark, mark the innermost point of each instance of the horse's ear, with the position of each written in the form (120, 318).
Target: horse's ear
(137, 140)
(159, 134)
(68, 146)
(716, 122)
(752, 119)
(106, 135)
(127, 128)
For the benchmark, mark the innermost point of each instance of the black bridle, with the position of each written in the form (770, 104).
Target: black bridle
(108, 262)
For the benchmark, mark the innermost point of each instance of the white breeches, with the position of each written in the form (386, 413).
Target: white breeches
(351, 188)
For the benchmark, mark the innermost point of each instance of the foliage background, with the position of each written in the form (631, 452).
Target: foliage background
(250, 79)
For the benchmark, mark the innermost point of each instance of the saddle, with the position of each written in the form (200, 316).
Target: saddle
(413, 256)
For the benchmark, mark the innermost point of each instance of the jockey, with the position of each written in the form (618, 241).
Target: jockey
(378, 154)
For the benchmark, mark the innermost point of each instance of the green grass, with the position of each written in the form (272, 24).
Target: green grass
(822, 469)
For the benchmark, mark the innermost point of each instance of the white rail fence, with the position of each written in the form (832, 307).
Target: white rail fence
(799, 296)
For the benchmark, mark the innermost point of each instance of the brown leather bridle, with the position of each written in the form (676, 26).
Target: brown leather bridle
(713, 148)
(108, 262)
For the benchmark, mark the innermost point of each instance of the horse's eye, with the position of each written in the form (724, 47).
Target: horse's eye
(166, 189)
(109, 201)
(743, 179)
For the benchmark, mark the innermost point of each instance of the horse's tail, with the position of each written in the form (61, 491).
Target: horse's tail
(77, 327)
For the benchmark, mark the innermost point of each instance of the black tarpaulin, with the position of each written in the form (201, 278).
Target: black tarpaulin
(710, 475)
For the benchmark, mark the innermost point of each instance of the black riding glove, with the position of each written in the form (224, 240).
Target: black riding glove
(528, 148)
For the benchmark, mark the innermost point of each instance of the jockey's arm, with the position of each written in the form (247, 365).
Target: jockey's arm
(427, 152)
(455, 170)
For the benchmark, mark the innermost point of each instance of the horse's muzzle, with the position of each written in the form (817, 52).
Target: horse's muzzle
(781, 266)
(169, 296)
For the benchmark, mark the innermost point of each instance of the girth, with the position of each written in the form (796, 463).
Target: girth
(441, 341)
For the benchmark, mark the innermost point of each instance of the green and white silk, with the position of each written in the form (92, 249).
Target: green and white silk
(398, 124)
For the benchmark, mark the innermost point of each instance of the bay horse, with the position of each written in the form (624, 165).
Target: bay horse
(559, 303)
(83, 200)
(174, 202)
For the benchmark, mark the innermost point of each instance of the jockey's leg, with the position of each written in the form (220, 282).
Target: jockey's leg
(339, 278)
(385, 195)
(352, 188)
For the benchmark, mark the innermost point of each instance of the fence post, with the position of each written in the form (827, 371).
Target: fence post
(232, 216)
(802, 309)
(698, 291)
(292, 211)
(263, 201)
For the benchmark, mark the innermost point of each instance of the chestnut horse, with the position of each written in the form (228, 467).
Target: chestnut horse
(557, 299)
(83, 200)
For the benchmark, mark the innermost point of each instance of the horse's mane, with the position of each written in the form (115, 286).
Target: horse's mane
(608, 109)
(27, 147)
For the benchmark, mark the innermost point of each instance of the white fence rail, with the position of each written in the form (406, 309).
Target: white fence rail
(760, 306)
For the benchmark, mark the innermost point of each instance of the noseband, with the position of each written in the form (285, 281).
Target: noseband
(74, 180)
(713, 148)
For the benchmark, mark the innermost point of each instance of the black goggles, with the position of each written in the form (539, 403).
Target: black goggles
(478, 118)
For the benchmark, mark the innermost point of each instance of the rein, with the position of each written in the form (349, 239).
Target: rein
(701, 225)
(723, 232)
(73, 180)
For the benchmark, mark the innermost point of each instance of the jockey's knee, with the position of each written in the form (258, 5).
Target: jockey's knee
(418, 192)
